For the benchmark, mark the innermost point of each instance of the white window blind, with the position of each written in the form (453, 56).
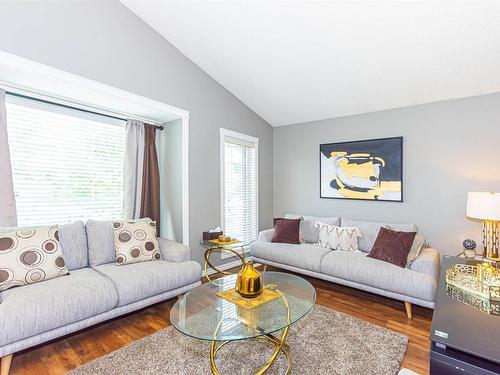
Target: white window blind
(240, 187)
(66, 165)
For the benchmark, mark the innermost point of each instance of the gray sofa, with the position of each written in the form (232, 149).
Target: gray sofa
(415, 284)
(95, 290)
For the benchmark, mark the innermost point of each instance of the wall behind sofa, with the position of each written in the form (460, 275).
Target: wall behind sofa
(449, 148)
(104, 41)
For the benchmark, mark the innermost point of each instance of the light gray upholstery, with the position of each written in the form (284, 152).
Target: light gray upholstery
(36, 313)
(74, 245)
(369, 231)
(73, 240)
(416, 284)
(101, 242)
(142, 280)
(266, 235)
(357, 267)
(33, 309)
(309, 232)
(428, 262)
(22, 344)
(350, 284)
(304, 255)
(172, 251)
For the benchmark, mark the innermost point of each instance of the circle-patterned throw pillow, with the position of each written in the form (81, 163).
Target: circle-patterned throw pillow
(135, 241)
(29, 256)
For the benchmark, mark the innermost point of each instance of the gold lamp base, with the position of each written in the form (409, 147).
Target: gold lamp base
(491, 239)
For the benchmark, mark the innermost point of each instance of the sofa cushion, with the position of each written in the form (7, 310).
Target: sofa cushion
(286, 230)
(74, 244)
(142, 280)
(33, 309)
(73, 240)
(369, 231)
(309, 232)
(101, 241)
(135, 241)
(357, 267)
(392, 246)
(302, 256)
(338, 238)
(29, 256)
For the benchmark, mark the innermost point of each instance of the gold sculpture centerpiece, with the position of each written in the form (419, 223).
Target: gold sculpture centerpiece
(248, 282)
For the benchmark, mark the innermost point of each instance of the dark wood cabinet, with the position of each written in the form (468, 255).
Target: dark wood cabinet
(465, 340)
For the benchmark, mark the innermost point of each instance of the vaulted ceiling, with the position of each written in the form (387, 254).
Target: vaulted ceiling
(300, 61)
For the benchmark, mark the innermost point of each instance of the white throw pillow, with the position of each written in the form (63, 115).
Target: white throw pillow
(29, 256)
(135, 241)
(338, 238)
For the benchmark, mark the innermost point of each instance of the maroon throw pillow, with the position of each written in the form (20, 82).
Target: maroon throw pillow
(286, 230)
(392, 246)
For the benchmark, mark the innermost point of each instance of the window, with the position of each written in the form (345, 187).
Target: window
(66, 164)
(239, 154)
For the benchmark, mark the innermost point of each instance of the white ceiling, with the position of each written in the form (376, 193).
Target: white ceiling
(301, 61)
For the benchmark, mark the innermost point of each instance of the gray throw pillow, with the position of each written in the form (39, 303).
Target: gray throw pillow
(309, 233)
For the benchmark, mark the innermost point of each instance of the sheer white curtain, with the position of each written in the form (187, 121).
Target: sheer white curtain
(8, 216)
(133, 169)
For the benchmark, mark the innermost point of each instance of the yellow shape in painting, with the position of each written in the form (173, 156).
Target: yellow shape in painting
(384, 186)
(363, 170)
(337, 154)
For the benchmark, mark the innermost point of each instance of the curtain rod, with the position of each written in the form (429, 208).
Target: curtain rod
(158, 127)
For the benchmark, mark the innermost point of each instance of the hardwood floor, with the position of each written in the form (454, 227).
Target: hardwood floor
(69, 352)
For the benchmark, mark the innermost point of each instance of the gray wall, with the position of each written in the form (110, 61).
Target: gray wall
(104, 41)
(449, 148)
(169, 147)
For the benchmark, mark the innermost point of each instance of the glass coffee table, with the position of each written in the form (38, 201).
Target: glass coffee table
(202, 314)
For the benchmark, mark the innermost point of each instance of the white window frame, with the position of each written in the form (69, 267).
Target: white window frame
(23, 76)
(226, 133)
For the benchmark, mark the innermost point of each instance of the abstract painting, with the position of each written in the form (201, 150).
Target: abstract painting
(368, 170)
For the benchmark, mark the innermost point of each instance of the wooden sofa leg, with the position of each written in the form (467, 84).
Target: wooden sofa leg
(408, 310)
(264, 269)
(5, 364)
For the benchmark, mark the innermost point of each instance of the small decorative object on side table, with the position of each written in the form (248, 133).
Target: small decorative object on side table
(469, 250)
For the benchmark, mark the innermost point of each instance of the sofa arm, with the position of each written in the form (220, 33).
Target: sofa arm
(266, 235)
(172, 251)
(428, 262)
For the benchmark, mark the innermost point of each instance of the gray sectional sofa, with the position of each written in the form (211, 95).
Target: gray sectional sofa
(95, 290)
(415, 284)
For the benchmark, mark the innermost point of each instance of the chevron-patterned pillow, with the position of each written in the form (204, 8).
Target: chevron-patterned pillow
(338, 238)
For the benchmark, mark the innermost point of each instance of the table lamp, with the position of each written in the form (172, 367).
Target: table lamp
(486, 207)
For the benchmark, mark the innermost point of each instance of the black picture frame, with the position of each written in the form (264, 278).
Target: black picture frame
(357, 146)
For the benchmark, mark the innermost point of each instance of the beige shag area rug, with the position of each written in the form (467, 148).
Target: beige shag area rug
(323, 342)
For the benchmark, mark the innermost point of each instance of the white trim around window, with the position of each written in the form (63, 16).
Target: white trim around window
(246, 141)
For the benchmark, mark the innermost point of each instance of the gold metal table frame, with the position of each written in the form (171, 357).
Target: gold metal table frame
(279, 343)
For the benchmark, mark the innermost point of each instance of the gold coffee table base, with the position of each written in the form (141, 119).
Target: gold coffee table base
(279, 345)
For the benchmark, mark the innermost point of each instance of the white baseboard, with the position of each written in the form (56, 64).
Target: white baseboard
(227, 266)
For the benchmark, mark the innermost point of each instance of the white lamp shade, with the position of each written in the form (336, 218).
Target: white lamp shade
(484, 206)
